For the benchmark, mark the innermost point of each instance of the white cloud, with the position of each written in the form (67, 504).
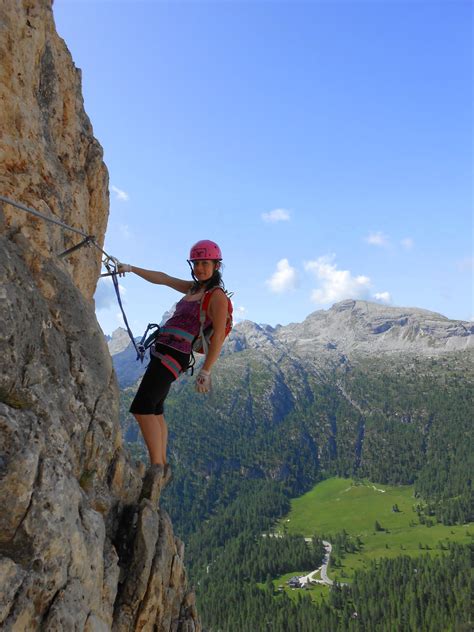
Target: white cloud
(377, 239)
(119, 318)
(105, 294)
(277, 215)
(119, 194)
(407, 243)
(283, 279)
(383, 297)
(239, 313)
(336, 285)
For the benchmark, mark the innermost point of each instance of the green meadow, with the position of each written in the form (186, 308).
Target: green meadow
(316, 592)
(342, 504)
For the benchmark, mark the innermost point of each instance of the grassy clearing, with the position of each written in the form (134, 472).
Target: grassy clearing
(316, 592)
(338, 503)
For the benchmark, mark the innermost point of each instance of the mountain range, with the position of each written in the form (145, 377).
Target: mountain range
(329, 337)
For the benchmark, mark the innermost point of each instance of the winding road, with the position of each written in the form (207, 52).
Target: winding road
(306, 579)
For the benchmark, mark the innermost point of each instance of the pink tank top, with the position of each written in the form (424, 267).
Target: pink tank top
(180, 330)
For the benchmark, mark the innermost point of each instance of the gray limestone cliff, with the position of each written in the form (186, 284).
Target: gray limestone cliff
(84, 544)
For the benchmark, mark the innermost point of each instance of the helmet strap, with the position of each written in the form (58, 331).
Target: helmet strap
(190, 263)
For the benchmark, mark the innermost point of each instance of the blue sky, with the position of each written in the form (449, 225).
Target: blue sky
(326, 146)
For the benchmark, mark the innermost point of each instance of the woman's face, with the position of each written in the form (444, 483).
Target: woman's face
(203, 269)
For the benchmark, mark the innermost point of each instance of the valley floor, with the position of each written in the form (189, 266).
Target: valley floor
(380, 521)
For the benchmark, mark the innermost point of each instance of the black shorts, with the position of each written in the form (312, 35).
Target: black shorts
(157, 381)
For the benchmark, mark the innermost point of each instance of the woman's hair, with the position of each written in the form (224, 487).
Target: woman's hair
(215, 281)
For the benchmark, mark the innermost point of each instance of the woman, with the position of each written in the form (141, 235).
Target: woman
(171, 353)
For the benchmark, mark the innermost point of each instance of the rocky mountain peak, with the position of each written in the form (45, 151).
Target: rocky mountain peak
(119, 341)
(371, 310)
(359, 327)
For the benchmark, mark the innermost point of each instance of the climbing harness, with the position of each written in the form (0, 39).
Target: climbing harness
(147, 341)
(169, 363)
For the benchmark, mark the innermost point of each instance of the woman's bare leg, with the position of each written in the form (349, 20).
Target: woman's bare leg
(155, 434)
(164, 437)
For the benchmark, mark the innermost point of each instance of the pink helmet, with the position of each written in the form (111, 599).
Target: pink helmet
(205, 249)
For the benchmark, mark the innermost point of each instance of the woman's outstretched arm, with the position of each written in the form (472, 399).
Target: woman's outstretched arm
(160, 278)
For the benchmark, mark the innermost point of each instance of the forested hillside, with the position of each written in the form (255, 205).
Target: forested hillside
(422, 595)
(396, 420)
(384, 396)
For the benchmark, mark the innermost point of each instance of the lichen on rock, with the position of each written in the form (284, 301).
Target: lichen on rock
(81, 547)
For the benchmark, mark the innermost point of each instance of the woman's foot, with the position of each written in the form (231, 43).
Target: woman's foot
(153, 483)
(167, 474)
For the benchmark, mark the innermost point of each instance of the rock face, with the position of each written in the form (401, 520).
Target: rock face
(84, 544)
